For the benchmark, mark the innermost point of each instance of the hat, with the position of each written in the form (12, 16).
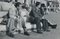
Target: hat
(17, 4)
(42, 5)
(37, 3)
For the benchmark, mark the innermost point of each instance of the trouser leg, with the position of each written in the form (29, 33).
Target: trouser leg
(10, 26)
(24, 28)
(38, 25)
(45, 24)
(32, 27)
(7, 27)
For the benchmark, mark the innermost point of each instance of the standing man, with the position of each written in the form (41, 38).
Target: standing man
(11, 20)
(22, 15)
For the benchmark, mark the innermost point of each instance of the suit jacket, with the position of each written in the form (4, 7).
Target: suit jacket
(37, 12)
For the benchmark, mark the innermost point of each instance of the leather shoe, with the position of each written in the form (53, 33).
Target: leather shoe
(26, 33)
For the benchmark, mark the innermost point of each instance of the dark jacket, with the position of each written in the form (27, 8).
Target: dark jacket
(37, 12)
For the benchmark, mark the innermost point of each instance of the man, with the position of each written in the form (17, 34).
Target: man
(11, 20)
(45, 22)
(36, 14)
(22, 13)
(43, 12)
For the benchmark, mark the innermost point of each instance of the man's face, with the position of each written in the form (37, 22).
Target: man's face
(39, 6)
(20, 6)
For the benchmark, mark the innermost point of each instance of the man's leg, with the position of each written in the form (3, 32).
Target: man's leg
(10, 27)
(24, 28)
(45, 25)
(32, 27)
(31, 20)
(38, 25)
(18, 25)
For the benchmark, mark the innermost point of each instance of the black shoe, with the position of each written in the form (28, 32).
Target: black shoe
(47, 30)
(7, 32)
(32, 29)
(39, 32)
(53, 26)
(19, 31)
(10, 34)
(26, 33)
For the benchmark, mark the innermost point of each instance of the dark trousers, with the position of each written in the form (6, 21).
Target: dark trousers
(38, 25)
(45, 24)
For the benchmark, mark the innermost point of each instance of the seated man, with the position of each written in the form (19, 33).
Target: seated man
(45, 22)
(37, 16)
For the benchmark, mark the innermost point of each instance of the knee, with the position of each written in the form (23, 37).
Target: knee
(44, 20)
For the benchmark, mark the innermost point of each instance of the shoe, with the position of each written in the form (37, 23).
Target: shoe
(10, 34)
(26, 33)
(39, 32)
(19, 31)
(53, 26)
(47, 30)
(32, 29)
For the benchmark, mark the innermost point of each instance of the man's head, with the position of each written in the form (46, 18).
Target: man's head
(37, 4)
(43, 6)
(17, 4)
(16, 0)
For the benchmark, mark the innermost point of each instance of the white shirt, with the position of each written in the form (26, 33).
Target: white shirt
(12, 11)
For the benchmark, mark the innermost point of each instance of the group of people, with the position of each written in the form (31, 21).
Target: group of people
(20, 14)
